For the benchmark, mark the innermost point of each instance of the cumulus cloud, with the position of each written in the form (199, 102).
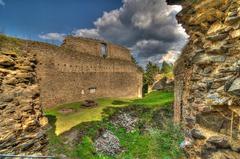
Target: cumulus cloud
(148, 28)
(52, 36)
(2, 3)
(149, 48)
(89, 33)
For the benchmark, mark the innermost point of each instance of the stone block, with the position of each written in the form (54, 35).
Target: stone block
(219, 141)
(6, 61)
(235, 87)
(207, 59)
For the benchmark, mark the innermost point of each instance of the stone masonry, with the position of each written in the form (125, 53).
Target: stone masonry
(22, 126)
(77, 71)
(207, 85)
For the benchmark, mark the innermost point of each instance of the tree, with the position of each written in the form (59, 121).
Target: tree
(166, 67)
(151, 71)
(136, 63)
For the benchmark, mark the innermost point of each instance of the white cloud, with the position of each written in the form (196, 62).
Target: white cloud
(88, 33)
(52, 36)
(148, 28)
(170, 57)
(2, 3)
(142, 21)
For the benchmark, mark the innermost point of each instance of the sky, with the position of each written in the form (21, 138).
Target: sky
(148, 28)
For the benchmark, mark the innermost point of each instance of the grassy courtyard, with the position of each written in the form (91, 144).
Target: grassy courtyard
(79, 114)
(155, 137)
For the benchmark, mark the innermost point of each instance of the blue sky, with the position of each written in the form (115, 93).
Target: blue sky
(29, 18)
(147, 27)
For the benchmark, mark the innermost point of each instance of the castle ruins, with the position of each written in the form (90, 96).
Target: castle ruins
(34, 75)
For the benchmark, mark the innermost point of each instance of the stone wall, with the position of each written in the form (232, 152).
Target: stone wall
(68, 73)
(207, 85)
(22, 126)
(93, 47)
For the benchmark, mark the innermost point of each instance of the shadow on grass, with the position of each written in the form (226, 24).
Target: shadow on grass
(119, 102)
(55, 143)
(52, 121)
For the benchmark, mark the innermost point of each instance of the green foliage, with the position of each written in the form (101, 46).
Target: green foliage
(166, 67)
(151, 71)
(145, 86)
(136, 63)
(134, 60)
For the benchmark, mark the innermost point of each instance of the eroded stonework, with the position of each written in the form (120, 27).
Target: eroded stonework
(22, 126)
(207, 85)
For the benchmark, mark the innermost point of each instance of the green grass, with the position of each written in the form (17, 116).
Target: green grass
(155, 99)
(135, 144)
(159, 141)
(85, 149)
(153, 144)
(165, 142)
(80, 115)
(55, 142)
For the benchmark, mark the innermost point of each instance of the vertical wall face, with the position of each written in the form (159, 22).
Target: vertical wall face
(22, 126)
(69, 74)
(118, 52)
(83, 46)
(93, 47)
(208, 79)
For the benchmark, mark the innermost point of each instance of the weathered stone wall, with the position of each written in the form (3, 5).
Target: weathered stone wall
(69, 72)
(22, 122)
(93, 47)
(207, 85)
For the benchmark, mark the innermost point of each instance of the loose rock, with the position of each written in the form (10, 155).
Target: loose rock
(108, 143)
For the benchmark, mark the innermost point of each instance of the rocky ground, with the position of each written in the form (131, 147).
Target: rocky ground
(107, 143)
(125, 120)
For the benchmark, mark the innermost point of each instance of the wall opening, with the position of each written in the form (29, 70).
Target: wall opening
(103, 50)
(92, 90)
